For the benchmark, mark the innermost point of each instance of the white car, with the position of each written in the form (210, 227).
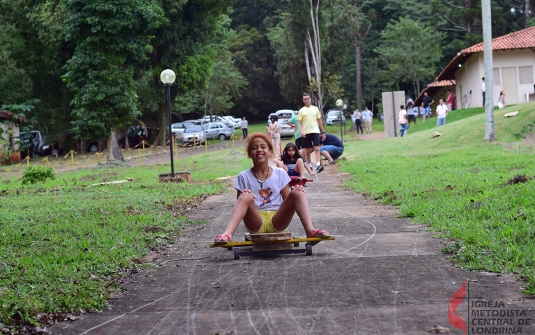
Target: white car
(236, 123)
(334, 116)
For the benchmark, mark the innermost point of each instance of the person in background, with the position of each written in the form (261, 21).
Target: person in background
(450, 101)
(411, 112)
(402, 119)
(368, 117)
(244, 126)
(483, 89)
(292, 122)
(501, 100)
(331, 148)
(427, 101)
(309, 123)
(442, 112)
(274, 133)
(292, 162)
(357, 116)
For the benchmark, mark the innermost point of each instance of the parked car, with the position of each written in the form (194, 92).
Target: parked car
(137, 134)
(236, 123)
(31, 143)
(334, 116)
(215, 118)
(220, 130)
(283, 114)
(179, 127)
(194, 135)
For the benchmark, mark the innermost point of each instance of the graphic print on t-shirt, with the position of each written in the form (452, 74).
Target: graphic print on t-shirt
(265, 194)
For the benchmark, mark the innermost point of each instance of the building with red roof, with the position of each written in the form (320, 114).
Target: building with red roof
(513, 63)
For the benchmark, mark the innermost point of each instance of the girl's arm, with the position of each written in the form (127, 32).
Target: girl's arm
(308, 169)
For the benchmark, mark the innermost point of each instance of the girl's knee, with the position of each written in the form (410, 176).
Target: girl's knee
(246, 197)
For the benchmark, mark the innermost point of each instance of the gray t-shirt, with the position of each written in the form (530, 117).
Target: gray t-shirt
(269, 197)
(244, 124)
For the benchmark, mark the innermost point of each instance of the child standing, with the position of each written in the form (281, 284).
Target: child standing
(265, 201)
(292, 162)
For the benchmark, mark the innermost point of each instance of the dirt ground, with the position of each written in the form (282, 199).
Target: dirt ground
(382, 275)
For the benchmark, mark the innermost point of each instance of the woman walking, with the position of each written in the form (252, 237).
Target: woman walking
(274, 133)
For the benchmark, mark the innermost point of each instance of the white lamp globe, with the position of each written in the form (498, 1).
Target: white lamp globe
(339, 102)
(167, 76)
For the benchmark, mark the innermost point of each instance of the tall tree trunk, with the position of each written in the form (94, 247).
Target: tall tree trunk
(315, 50)
(358, 76)
(162, 120)
(114, 151)
(487, 56)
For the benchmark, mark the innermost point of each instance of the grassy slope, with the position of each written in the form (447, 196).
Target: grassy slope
(456, 183)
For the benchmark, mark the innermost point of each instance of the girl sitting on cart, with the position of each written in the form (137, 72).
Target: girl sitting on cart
(292, 162)
(265, 202)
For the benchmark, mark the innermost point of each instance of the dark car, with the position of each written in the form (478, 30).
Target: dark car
(138, 134)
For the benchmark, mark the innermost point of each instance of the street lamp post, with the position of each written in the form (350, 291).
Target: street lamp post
(345, 109)
(340, 103)
(168, 78)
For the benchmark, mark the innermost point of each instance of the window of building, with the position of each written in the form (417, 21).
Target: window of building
(525, 74)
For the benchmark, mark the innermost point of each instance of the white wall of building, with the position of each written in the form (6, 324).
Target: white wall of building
(468, 77)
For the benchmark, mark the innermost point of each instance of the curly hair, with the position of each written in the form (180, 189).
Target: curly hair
(249, 142)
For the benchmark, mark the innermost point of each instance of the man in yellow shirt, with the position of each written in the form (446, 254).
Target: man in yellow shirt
(309, 124)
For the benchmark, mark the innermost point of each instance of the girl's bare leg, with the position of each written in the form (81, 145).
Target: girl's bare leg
(245, 209)
(300, 168)
(295, 202)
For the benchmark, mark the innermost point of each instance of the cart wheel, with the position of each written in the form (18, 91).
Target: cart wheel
(308, 249)
(236, 253)
(296, 244)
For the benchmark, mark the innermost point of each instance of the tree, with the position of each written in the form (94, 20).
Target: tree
(411, 50)
(355, 26)
(225, 82)
(185, 45)
(112, 37)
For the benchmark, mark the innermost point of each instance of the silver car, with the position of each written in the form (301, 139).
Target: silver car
(193, 135)
(334, 116)
(220, 130)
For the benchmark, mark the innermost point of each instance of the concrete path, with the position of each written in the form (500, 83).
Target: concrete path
(382, 275)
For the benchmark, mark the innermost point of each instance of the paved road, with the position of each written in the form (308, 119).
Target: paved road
(382, 275)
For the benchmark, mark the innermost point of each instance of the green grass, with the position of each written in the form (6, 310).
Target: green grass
(64, 243)
(453, 116)
(458, 184)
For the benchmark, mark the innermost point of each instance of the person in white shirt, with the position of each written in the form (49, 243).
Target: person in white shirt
(402, 118)
(483, 89)
(442, 112)
(368, 116)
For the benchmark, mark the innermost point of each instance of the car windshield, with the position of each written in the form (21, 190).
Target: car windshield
(193, 129)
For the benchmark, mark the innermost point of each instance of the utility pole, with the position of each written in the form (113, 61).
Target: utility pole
(489, 78)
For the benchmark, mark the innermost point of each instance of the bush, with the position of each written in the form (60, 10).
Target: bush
(38, 174)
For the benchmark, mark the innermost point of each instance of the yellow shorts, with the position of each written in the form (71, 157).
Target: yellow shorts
(267, 223)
